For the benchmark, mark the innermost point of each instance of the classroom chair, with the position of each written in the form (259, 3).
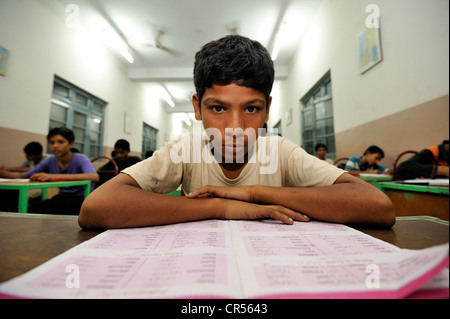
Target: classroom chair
(396, 162)
(340, 162)
(106, 175)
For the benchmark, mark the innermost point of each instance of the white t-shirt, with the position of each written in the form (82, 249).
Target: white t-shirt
(188, 161)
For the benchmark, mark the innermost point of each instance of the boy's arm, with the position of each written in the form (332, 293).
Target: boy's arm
(46, 177)
(6, 174)
(121, 203)
(348, 200)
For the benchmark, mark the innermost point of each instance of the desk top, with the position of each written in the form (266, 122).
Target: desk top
(14, 184)
(413, 188)
(28, 240)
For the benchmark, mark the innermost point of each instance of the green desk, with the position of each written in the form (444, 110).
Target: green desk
(414, 200)
(175, 193)
(23, 188)
(375, 179)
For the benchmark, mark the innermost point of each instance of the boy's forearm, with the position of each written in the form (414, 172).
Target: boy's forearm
(121, 206)
(6, 174)
(348, 202)
(94, 177)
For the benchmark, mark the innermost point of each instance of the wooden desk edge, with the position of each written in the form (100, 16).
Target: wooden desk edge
(46, 216)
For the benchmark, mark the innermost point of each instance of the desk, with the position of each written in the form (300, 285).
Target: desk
(28, 240)
(23, 188)
(374, 179)
(413, 200)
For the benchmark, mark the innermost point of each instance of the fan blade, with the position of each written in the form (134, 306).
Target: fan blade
(170, 51)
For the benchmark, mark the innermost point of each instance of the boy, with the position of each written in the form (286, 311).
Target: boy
(63, 166)
(225, 174)
(431, 162)
(321, 151)
(121, 157)
(367, 163)
(33, 154)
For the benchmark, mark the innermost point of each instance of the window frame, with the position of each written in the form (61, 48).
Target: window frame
(149, 142)
(94, 108)
(318, 96)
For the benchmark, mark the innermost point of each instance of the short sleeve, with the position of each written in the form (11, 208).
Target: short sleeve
(158, 173)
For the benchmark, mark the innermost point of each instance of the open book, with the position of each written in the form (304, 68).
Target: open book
(234, 259)
(427, 181)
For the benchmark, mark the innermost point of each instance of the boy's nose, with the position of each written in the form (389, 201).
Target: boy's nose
(235, 121)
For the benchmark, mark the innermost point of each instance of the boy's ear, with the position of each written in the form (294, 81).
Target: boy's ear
(269, 102)
(197, 108)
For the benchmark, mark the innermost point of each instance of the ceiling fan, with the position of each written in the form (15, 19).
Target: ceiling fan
(158, 44)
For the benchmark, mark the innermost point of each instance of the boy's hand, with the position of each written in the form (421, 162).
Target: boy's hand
(242, 210)
(41, 177)
(241, 204)
(243, 193)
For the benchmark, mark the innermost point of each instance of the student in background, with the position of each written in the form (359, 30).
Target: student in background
(33, 154)
(321, 151)
(63, 166)
(233, 77)
(429, 163)
(122, 157)
(367, 163)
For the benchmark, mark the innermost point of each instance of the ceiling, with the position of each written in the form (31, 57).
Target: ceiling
(186, 25)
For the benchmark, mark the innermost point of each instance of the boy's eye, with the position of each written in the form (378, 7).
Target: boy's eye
(252, 109)
(217, 109)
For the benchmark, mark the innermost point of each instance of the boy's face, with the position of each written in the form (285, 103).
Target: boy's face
(232, 108)
(32, 157)
(321, 152)
(121, 154)
(373, 158)
(59, 146)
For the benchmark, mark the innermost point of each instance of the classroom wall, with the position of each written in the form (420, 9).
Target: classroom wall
(402, 102)
(41, 46)
(409, 88)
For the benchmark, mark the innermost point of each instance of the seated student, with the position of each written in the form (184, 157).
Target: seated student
(33, 154)
(429, 163)
(226, 173)
(122, 159)
(63, 166)
(321, 151)
(367, 163)
(9, 198)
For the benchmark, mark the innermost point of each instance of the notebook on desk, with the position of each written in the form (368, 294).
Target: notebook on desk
(426, 181)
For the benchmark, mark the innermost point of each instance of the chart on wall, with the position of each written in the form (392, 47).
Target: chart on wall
(4, 55)
(369, 49)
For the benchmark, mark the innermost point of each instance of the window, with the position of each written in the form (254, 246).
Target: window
(80, 111)
(317, 118)
(278, 127)
(149, 139)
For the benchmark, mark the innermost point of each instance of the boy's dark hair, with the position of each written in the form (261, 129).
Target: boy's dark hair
(33, 148)
(64, 132)
(374, 149)
(320, 145)
(123, 144)
(233, 59)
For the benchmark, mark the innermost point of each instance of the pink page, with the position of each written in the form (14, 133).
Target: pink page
(234, 259)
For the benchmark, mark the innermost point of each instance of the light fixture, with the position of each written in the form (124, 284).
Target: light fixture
(279, 40)
(165, 95)
(114, 40)
(96, 120)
